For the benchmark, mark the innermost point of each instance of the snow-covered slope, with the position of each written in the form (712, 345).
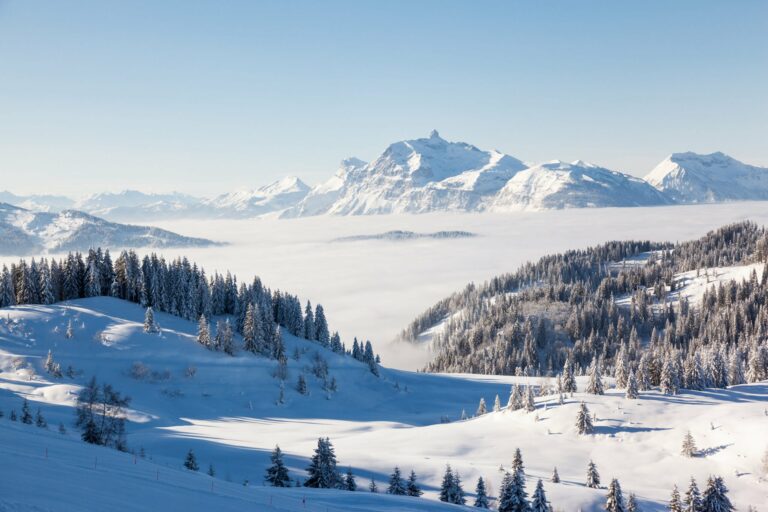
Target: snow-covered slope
(226, 413)
(557, 185)
(413, 176)
(276, 196)
(26, 232)
(694, 178)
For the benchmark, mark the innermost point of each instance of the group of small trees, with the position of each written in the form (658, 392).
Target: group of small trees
(26, 415)
(100, 415)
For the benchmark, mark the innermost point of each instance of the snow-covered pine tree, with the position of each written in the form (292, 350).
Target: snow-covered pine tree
(497, 404)
(583, 420)
(539, 499)
(322, 468)
(26, 416)
(447, 485)
(620, 368)
(689, 445)
(396, 484)
(481, 494)
(203, 332)
(372, 487)
(277, 473)
(512, 495)
(530, 404)
(301, 385)
(250, 329)
(735, 368)
(39, 420)
(692, 500)
(412, 486)
(555, 476)
(149, 321)
(669, 383)
(615, 501)
(321, 327)
(70, 332)
(715, 497)
(569, 381)
(349, 481)
(226, 338)
(190, 462)
(643, 372)
(593, 477)
(632, 503)
(309, 322)
(595, 382)
(481, 409)
(674, 503)
(631, 392)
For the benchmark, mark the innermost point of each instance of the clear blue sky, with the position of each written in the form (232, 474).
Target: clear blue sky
(209, 96)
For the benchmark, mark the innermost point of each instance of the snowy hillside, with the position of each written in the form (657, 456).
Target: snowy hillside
(413, 176)
(694, 178)
(557, 185)
(225, 409)
(27, 232)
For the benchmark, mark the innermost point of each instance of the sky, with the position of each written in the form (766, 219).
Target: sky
(207, 97)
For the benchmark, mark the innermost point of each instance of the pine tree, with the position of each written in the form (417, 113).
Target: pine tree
(225, 338)
(70, 332)
(595, 383)
(481, 409)
(396, 484)
(555, 477)
(481, 494)
(689, 445)
(670, 380)
(715, 498)
(203, 332)
(250, 330)
(450, 488)
(632, 503)
(674, 503)
(277, 473)
(569, 381)
(149, 321)
(530, 404)
(309, 322)
(322, 468)
(301, 385)
(539, 500)
(584, 421)
(321, 327)
(615, 500)
(191, 462)
(497, 404)
(39, 420)
(412, 487)
(631, 392)
(372, 487)
(12, 416)
(593, 477)
(512, 496)
(692, 500)
(349, 481)
(26, 416)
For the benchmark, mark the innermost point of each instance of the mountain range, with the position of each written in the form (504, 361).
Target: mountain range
(25, 231)
(432, 174)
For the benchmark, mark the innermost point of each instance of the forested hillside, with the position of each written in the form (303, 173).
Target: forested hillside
(617, 307)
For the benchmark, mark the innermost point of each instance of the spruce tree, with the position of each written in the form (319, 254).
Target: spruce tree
(322, 468)
(715, 497)
(530, 404)
(583, 420)
(412, 487)
(203, 332)
(615, 500)
(569, 381)
(481, 494)
(372, 487)
(349, 481)
(26, 416)
(481, 409)
(497, 404)
(692, 500)
(277, 473)
(190, 462)
(593, 477)
(632, 503)
(396, 484)
(595, 382)
(301, 385)
(631, 392)
(539, 500)
(674, 503)
(689, 445)
(555, 477)
(39, 420)
(149, 321)
(211, 471)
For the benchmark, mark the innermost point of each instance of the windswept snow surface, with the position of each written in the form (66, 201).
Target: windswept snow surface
(227, 414)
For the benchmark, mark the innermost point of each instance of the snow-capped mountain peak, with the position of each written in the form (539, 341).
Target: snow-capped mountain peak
(557, 184)
(707, 178)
